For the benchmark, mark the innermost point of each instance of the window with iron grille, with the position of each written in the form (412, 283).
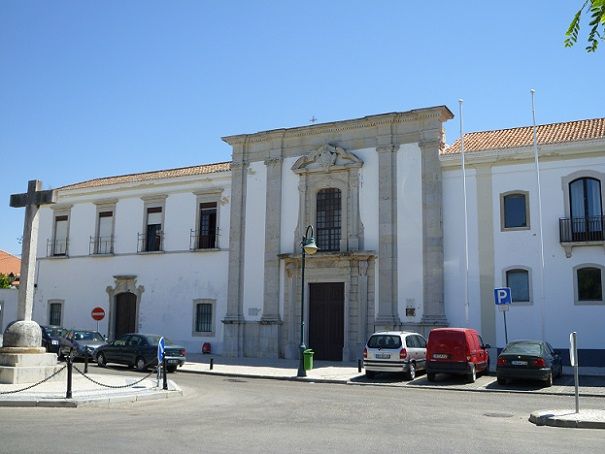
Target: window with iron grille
(328, 220)
(54, 314)
(203, 317)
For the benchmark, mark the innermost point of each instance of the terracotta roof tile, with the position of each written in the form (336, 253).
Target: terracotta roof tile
(155, 175)
(523, 137)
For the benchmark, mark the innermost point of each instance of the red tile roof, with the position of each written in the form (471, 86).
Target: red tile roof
(523, 137)
(155, 175)
(9, 264)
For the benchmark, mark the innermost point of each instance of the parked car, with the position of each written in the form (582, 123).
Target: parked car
(459, 351)
(140, 351)
(51, 338)
(528, 360)
(395, 351)
(81, 344)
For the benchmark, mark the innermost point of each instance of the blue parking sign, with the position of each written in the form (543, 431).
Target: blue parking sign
(502, 295)
(161, 345)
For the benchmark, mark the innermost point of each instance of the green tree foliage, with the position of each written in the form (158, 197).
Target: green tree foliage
(5, 280)
(596, 10)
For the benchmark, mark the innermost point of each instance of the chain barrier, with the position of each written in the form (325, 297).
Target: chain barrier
(112, 386)
(35, 384)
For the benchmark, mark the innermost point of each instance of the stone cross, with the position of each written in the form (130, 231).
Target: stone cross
(31, 200)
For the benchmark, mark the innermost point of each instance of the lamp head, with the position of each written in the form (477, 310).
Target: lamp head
(309, 246)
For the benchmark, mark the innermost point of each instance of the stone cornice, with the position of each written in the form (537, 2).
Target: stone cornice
(440, 113)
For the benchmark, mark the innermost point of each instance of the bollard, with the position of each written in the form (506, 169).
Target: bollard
(86, 364)
(69, 364)
(165, 387)
(211, 363)
(358, 365)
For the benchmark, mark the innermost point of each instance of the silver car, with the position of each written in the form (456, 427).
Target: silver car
(395, 351)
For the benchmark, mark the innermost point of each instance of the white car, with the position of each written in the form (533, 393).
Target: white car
(395, 351)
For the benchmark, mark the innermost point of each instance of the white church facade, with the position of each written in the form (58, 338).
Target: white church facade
(211, 253)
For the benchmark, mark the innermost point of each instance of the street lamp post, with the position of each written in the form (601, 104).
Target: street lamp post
(307, 246)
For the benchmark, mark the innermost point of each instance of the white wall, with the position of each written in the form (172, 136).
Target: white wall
(8, 308)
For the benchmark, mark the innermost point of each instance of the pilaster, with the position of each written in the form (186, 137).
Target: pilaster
(387, 316)
(432, 235)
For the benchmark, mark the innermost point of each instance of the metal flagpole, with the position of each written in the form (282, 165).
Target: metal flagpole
(466, 292)
(542, 299)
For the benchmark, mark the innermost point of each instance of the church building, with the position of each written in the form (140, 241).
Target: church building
(212, 253)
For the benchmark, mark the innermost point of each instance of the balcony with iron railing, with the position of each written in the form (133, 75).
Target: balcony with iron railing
(585, 231)
(57, 248)
(101, 245)
(150, 243)
(204, 240)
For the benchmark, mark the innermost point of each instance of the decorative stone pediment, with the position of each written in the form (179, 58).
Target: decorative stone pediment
(326, 158)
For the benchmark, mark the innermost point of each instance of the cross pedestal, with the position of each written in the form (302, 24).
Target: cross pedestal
(22, 357)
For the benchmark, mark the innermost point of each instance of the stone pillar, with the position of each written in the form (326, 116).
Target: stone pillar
(387, 317)
(234, 319)
(432, 235)
(362, 296)
(486, 255)
(270, 319)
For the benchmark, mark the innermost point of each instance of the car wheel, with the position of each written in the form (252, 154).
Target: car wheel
(171, 369)
(502, 381)
(101, 360)
(548, 380)
(472, 375)
(430, 376)
(370, 374)
(411, 373)
(139, 364)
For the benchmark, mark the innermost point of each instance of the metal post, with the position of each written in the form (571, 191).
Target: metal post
(301, 362)
(211, 363)
(165, 387)
(505, 330)
(575, 364)
(69, 364)
(358, 365)
(86, 363)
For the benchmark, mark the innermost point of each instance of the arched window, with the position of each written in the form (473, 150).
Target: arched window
(518, 281)
(585, 208)
(589, 284)
(327, 223)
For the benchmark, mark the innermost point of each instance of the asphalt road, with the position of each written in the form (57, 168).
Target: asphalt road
(225, 415)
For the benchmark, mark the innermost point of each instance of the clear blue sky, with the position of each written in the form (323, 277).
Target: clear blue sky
(91, 89)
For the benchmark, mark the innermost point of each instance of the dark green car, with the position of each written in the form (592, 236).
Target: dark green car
(140, 351)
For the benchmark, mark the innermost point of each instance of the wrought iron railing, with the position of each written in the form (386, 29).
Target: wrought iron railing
(100, 245)
(203, 240)
(56, 248)
(150, 243)
(582, 229)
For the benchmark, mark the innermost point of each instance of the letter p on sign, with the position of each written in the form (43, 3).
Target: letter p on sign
(502, 296)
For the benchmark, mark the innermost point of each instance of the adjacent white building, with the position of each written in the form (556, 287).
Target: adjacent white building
(212, 253)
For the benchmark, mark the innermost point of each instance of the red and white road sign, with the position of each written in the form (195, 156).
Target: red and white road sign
(98, 313)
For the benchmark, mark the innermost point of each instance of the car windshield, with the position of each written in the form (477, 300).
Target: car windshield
(524, 348)
(54, 332)
(88, 335)
(384, 341)
(154, 340)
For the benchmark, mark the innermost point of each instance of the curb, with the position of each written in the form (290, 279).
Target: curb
(567, 419)
(268, 377)
(109, 400)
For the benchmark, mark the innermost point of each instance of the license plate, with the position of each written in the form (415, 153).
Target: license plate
(383, 355)
(519, 363)
(440, 355)
(172, 361)
(54, 342)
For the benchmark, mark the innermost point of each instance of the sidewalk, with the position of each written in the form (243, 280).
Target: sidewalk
(122, 389)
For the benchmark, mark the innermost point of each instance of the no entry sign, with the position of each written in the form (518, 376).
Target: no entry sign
(98, 313)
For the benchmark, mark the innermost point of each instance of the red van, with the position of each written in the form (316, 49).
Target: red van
(458, 351)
